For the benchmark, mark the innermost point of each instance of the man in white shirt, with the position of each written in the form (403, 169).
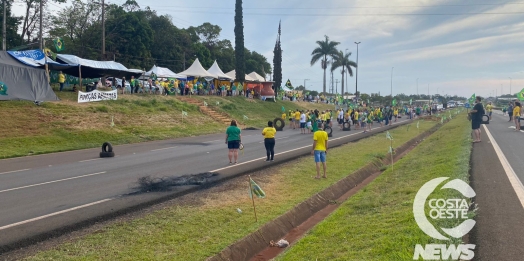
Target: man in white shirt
(340, 118)
(302, 122)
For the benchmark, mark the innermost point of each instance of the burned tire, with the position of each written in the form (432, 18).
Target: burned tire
(346, 126)
(329, 131)
(107, 154)
(107, 147)
(279, 124)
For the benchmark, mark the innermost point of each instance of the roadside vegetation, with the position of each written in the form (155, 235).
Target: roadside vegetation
(28, 129)
(201, 224)
(377, 223)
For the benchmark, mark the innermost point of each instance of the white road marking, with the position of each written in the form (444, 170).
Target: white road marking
(512, 176)
(278, 139)
(163, 148)
(249, 161)
(513, 127)
(211, 141)
(54, 181)
(14, 171)
(54, 214)
(88, 160)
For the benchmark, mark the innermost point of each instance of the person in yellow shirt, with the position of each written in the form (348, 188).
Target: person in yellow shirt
(320, 147)
(61, 80)
(284, 116)
(297, 119)
(269, 140)
(489, 110)
(516, 115)
(395, 113)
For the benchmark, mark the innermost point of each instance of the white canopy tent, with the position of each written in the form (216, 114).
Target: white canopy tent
(162, 72)
(233, 74)
(196, 70)
(257, 77)
(218, 73)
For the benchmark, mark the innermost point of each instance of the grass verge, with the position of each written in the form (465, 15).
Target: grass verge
(377, 223)
(67, 125)
(203, 223)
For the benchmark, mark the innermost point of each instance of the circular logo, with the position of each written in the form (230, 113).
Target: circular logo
(443, 208)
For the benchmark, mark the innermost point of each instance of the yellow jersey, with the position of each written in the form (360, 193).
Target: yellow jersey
(489, 108)
(297, 115)
(516, 111)
(284, 116)
(269, 132)
(321, 138)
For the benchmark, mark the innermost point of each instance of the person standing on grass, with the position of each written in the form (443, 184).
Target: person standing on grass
(269, 140)
(516, 115)
(61, 80)
(320, 147)
(233, 140)
(302, 122)
(476, 119)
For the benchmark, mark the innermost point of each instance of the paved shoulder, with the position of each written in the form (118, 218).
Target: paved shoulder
(500, 223)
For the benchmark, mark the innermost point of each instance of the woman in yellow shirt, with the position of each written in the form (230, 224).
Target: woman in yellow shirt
(516, 115)
(269, 140)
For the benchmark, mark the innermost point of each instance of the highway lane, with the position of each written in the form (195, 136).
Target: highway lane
(510, 142)
(58, 182)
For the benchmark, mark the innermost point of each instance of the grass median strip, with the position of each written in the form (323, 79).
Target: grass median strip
(377, 223)
(201, 224)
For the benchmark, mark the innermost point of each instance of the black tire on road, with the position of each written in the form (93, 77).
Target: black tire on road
(346, 126)
(107, 154)
(279, 127)
(107, 147)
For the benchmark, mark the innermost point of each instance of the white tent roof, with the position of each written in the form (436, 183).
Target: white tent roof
(217, 72)
(162, 72)
(196, 70)
(233, 74)
(257, 77)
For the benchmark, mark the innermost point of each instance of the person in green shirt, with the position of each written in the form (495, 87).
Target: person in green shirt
(233, 141)
(314, 125)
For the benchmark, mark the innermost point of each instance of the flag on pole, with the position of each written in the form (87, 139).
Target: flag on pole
(390, 151)
(410, 101)
(442, 120)
(289, 85)
(205, 103)
(394, 102)
(59, 44)
(254, 188)
(472, 99)
(112, 122)
(418, 124)
(388, 136)
(184, 113)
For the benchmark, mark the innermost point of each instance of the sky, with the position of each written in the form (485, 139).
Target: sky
(453, 47)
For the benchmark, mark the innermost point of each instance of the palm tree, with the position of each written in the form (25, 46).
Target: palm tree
(342, 60)
(325, 48)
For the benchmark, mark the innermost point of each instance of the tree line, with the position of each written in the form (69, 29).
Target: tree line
(136, 37)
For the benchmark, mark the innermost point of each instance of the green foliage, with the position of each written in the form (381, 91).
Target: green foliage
(325, 48)
(342, 60)
(240, 65)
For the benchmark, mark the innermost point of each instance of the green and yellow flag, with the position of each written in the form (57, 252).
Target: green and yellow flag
(289, 85)
(254, 188)
(394, 102)
(410, 101)
(520, 95)
(471, 100)
(59, 44)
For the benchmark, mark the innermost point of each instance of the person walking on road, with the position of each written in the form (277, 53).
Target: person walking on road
(302, 122)
(233, 140)
(476, 119)
(489, 110)
(320, 147)
(269, 140)
(516, 115)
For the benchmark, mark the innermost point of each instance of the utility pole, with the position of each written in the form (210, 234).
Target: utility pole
(336, 87)
(103, 31)
(356, 74)
(40, 33)
(4, 26)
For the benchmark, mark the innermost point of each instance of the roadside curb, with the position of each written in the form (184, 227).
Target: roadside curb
(249, 246)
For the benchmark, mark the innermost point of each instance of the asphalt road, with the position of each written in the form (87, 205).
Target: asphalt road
(42, 193)
(496, 174)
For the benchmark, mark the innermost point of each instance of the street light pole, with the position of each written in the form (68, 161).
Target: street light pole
(356, 74)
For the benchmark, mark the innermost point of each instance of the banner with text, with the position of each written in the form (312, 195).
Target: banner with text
(96, 96)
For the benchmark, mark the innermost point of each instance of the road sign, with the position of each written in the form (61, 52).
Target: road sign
(466, 105)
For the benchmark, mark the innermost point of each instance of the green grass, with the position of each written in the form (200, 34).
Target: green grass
(203, 223)
(377, 223)
(67, 125)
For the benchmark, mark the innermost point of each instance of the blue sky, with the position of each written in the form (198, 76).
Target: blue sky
(475, 50)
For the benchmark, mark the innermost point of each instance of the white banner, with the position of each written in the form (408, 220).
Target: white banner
(96, 96)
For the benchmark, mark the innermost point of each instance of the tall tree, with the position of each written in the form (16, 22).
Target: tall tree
(12, 23)
(277, 62)
(342, 60)
(325, 48)
(240, 66)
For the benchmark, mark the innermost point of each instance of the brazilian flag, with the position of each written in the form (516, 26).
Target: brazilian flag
(59, 44)
(49, 53)
(288, 84)
(472, 99)
(520, 95)
(394, 102)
